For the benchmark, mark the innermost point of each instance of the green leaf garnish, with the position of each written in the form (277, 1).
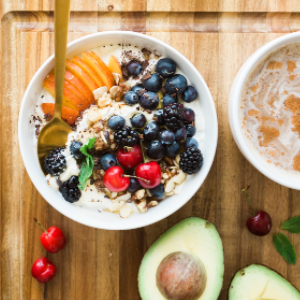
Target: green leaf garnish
(285, 248)
(88, 146)
(87, 164)
(292, 225)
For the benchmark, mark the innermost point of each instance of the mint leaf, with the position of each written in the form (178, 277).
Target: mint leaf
(87, 164)
(285, 248)
(88, 146)
(292, 225)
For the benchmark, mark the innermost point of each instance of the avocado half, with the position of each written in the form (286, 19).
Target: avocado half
(192, 236)
(260, 283)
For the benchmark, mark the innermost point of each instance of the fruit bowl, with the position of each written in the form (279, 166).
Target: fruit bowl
(112, 221)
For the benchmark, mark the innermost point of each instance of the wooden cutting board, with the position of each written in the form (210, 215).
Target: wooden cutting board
(98, 264)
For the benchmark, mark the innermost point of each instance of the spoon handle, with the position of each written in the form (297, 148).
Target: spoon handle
(62, 16)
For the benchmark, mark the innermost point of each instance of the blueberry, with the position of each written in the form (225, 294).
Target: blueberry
(191, 142)
(107, 161)
(181, 135)
(191, 130)
(190, 94)
(149, 100)
(134, 68)
(189, 115)
(158, 115)
(75, 150)
(155, 150)
(172, 150)
(153, 84)
(138, 121)
(116, 122)
(133, 185)
(168, 99)
(167, 137)
(158, 192)
(131, 98)
(166, 67)
(151, 131)
(138, 89)
(176, 84)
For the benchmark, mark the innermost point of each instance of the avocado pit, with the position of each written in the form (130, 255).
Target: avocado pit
(181, 276)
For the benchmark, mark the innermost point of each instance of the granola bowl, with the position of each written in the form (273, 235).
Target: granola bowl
(203, 107)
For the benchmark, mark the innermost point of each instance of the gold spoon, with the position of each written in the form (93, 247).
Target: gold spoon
(55, 133)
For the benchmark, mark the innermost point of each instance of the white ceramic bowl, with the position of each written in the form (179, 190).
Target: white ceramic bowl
(113, 221)
(276, 174)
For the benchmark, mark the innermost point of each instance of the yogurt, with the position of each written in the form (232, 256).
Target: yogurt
(91, 197)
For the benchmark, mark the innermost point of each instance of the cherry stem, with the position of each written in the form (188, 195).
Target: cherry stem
(128, 149)
(142, 147)
(40, 225)
(131, 176)
(248, 199)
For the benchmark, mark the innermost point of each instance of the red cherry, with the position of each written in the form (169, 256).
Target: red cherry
(114, 181)
(260, 224)
(149, 171)
(43, 270)
(52, 239)
(130, 157)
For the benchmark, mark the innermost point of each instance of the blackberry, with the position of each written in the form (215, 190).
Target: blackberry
(127, 137)
(69, 189)
(174, 116)
(191, 160)
(55, 162)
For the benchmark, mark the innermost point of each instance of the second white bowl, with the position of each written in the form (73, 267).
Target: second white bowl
(276, 174)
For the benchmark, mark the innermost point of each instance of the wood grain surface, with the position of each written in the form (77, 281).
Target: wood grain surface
(98, 264)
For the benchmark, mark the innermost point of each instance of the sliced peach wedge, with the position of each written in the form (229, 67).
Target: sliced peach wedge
(114, 66)
(67, 114)
(69, 99)
(80, 73)
(99, 67)
(84, 66)
(77, 83)
(73, 89)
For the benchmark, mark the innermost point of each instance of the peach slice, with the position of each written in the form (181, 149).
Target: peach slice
(114, 66)
(69, 115)
(80, 73)
(72, 88)
(69, 99)
(100, 67)
(84, 66)
(77, 83)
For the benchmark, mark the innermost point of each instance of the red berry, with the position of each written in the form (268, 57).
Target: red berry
(260, 224)
(114, 181)
(52, 239)
(149, 171)
(43, 270)
(130, 157)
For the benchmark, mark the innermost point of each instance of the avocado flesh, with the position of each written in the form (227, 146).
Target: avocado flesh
(192, 235)
(258, 282)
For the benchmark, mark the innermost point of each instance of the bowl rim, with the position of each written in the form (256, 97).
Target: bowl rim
(234, 102)
(145, 221)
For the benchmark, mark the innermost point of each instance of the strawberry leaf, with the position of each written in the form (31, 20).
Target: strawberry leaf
(292, 225)
(285, 248)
